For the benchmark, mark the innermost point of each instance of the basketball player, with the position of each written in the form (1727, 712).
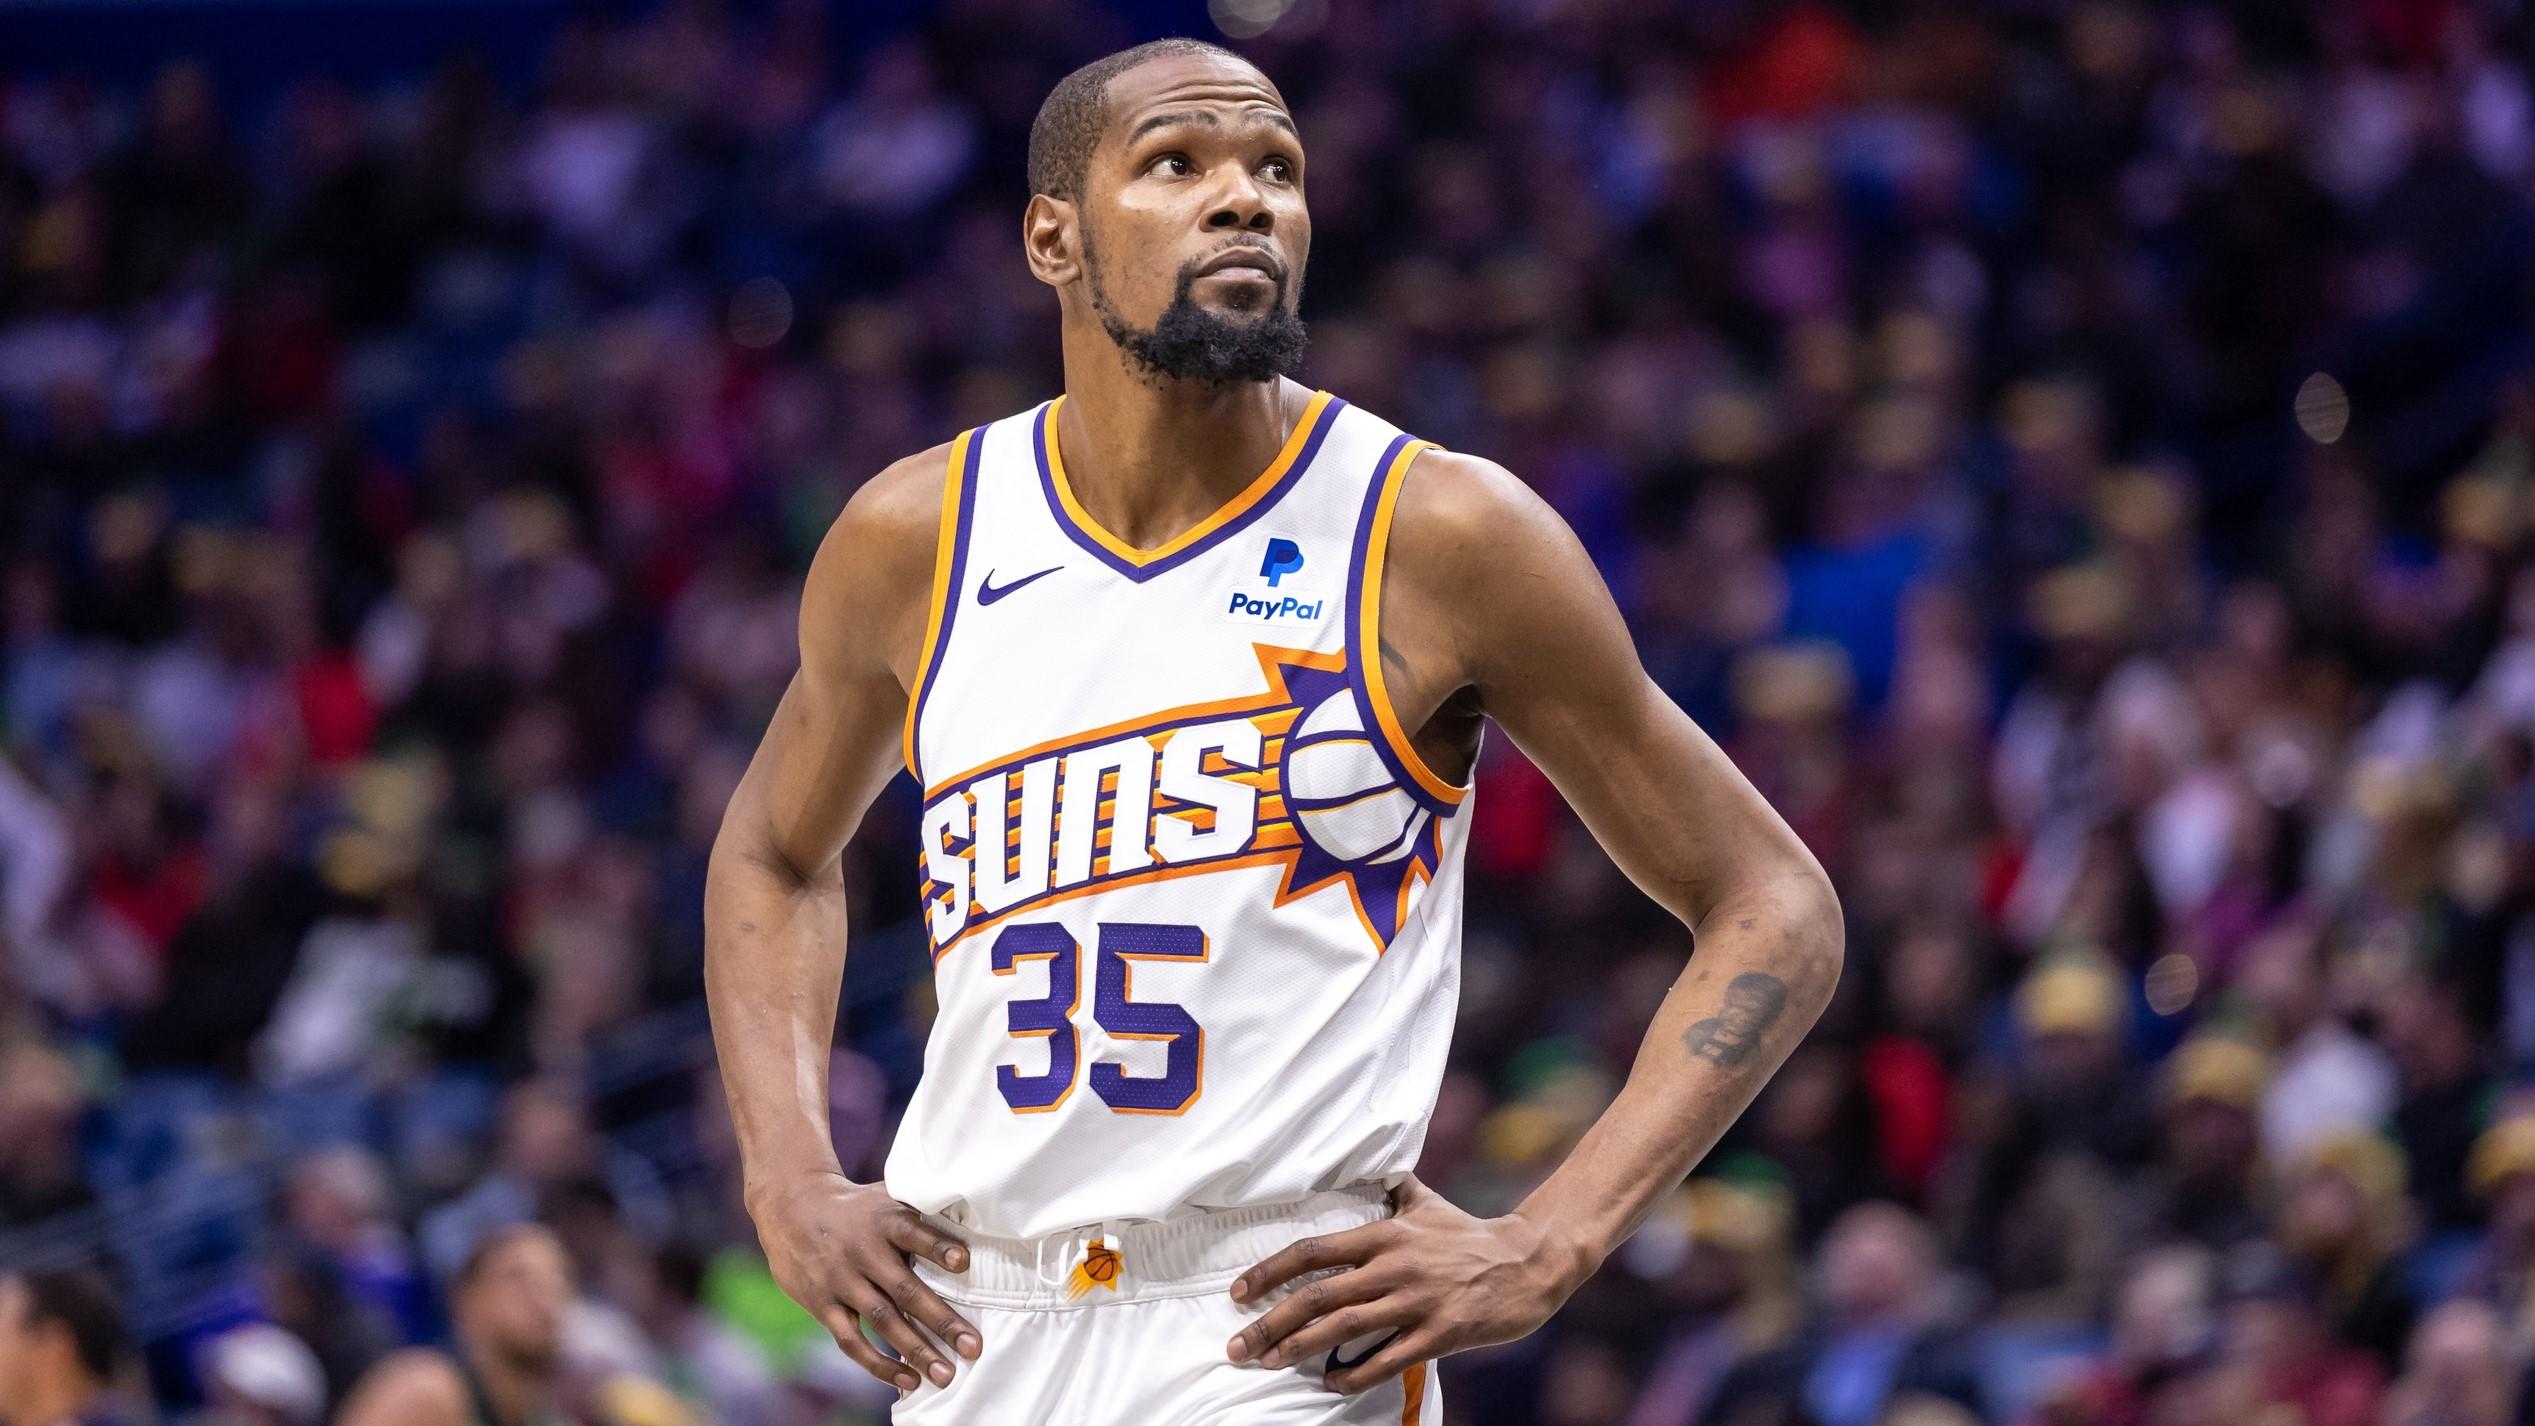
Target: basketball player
(1190, 664)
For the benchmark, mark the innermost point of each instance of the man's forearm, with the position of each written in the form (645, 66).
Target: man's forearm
(774, 959)
(1765, 963)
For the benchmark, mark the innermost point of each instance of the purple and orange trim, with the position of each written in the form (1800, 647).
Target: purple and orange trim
(1255, 500)
(1364, 635)
(950, 568)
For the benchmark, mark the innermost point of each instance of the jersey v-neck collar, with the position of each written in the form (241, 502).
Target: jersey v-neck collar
(1235, 515)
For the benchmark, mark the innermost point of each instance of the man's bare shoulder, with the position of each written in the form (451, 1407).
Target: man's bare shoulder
(1485, 586)
(899, 507)
(872, 580)
(414, 1387)
(1465, 522)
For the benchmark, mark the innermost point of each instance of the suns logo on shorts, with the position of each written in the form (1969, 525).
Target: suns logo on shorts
(1289, 775)
(1099, 1268)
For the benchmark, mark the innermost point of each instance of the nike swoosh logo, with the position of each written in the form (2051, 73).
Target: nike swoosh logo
(1337, 1364)
(987, 593)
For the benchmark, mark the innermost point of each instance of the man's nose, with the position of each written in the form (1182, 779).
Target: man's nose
(1242, 206)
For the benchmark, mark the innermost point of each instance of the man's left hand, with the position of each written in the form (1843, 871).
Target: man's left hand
(1440, 1280)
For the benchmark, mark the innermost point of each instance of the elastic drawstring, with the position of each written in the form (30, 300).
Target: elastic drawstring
(1038, 1260)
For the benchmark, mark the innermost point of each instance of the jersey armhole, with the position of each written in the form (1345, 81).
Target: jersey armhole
(1364, 634)
(950, 557)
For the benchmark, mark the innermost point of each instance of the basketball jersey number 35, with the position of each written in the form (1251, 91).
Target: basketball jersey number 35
(1193, 901)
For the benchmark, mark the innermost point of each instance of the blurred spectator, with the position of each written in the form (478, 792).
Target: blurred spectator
(2328, 1080)
(2344, 1220)
(2443, 1074)
(1874, 1341)
(2502, 1173)
(2071, 1012)
(35, 858)
(2072, 1094)
(2213, 1187)
(63, 1347)
(508, 1302)
(546, 1142)
(40, 1105)
(1729, 1292)
(2456, 1372)
(340, 1205)
(2052, 1265)
(2277, 1335)
(2164, 1330)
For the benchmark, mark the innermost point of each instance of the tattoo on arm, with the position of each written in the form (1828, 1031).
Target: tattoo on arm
(1753, 1002)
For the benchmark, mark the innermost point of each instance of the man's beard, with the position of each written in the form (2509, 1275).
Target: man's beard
(1190, 343)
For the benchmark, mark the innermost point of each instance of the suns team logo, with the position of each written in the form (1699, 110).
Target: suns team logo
(1099, 1268)
(1289, 775)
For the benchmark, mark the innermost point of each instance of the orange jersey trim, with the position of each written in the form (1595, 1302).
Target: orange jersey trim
(1368, 637)
(1232, 510)
(945, 555)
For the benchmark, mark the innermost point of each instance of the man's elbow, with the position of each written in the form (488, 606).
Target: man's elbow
(747, 849)
(1815, 939)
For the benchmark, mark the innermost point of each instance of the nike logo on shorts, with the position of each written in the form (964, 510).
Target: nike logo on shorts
(1337, 1363)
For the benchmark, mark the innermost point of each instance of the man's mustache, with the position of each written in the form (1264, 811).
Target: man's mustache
(1188, 272)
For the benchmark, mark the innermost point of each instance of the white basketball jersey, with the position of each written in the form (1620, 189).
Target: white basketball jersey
(1194, 901)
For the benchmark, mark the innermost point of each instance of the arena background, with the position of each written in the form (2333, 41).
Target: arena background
(2075, 456)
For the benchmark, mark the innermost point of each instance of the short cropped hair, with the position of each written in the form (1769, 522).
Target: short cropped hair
(1077, 109)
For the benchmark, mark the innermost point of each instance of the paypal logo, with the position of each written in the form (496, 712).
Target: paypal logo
(1275, 607)
(1283, 558)
(1294, 604)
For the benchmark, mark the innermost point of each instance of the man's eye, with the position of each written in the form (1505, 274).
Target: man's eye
(1174, 164)
(1280, 169)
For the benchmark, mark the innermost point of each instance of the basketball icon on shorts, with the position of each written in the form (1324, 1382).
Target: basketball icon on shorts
(1099, 1268)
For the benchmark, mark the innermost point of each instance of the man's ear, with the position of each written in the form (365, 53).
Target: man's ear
(1051, 240)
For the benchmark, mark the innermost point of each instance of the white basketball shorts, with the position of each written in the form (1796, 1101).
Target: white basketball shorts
(1146, 1347)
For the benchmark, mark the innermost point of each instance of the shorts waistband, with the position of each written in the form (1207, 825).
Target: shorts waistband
(1176, 1257)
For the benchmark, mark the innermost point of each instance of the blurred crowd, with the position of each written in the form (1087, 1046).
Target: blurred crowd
(2078, 458)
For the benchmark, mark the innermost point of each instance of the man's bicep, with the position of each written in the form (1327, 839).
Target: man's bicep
(834, 740)
(827, 753)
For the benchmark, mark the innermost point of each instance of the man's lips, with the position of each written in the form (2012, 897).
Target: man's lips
(1244, 262)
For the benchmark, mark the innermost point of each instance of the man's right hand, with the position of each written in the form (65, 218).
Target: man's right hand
(841, 1249)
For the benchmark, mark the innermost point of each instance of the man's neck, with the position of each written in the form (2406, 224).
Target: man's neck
(1148, 458)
